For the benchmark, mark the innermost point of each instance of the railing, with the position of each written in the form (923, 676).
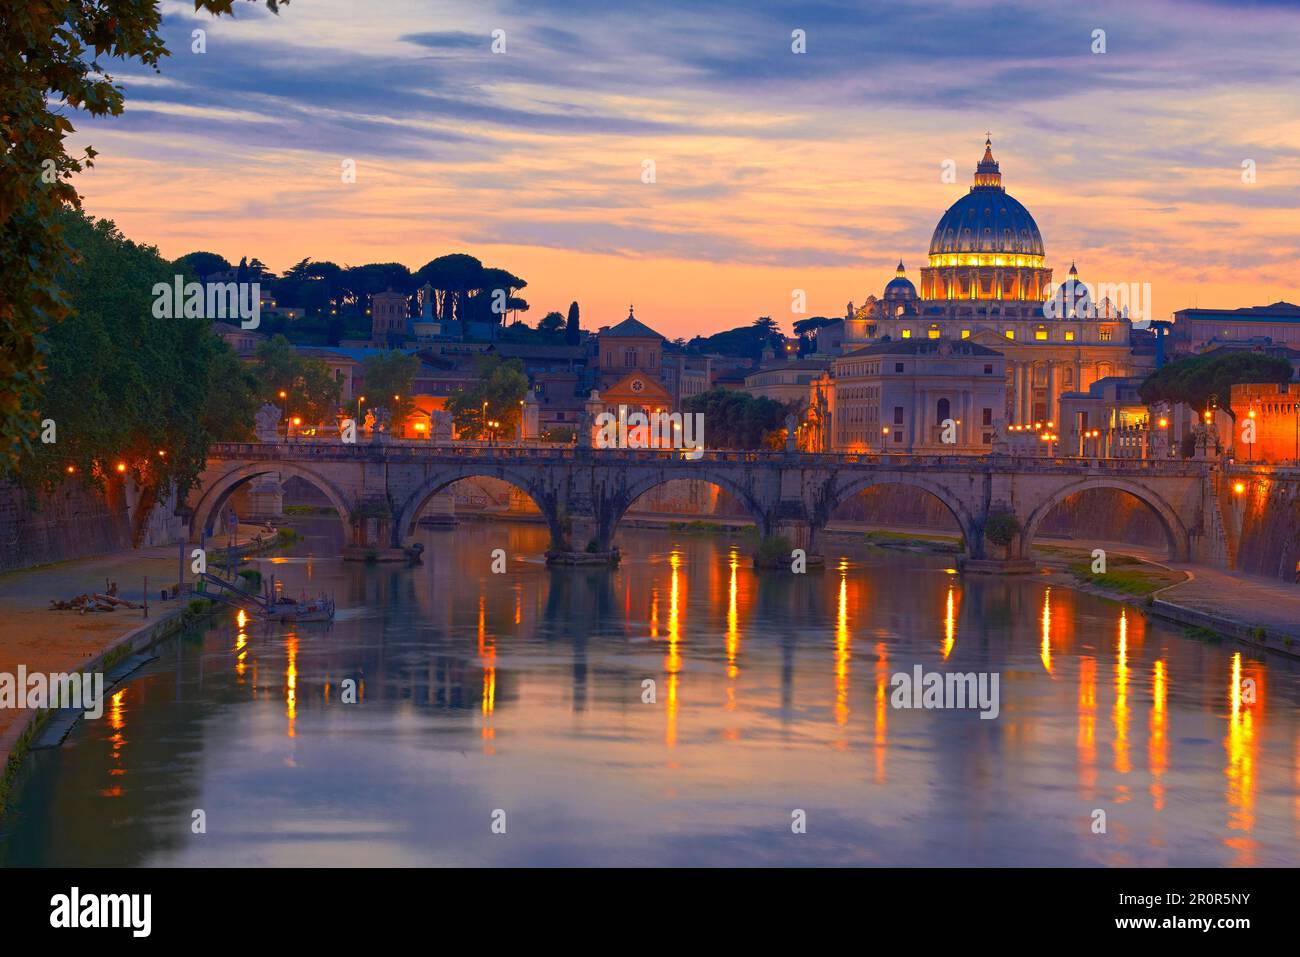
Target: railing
(422, 450)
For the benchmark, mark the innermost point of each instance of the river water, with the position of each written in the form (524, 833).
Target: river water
(683, 709)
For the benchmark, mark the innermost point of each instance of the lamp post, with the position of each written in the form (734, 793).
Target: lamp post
(1295, 413)
(360, 400)
(1250, 453)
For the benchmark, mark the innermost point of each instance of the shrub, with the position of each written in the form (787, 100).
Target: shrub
(773, 551)
(1002, 528)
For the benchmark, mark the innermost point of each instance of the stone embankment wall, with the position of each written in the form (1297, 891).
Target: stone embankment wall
(75, 521)
(1267, 513)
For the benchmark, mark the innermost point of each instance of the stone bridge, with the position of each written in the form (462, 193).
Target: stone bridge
(380, 490)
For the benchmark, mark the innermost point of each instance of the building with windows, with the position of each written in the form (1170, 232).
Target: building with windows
(986, 281)
(1111, 421)
(1274, 410)
(787, 380)
(631, 346)
(915, 395)
(1198, 330)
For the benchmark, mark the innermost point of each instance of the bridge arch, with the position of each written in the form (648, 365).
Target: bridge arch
(410, 510)
(960, 513)
(1176, 535)
(618, 503)
(217, 492)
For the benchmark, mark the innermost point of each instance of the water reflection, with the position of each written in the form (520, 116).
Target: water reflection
(526, 691)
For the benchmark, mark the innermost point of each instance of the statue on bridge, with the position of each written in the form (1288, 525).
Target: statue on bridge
(379, 429)
(440, 425)
(267, 423)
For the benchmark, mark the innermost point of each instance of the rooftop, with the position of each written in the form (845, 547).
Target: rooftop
(631, 328)
(1287, 311)
(919, 347)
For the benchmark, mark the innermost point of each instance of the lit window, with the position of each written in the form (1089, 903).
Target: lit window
(1105, 335)
(965, 333)
(934, 332)
(1040, 334)
(1011, 333)
(1069, 335)
(906, 333)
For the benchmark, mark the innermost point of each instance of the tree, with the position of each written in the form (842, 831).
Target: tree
(204, 264)
(551, 324)
(233, 397)
(50, 62)
(497, 396)
(125, 386)
(311, 391)
(365, 281)
(738, 420)
(390, 374)
(744, 341)
(452, 277)
(1195, 379)
(492, 282)
(572, 332)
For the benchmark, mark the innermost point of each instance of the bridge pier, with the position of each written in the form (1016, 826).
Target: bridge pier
(789, 541)
(581, 541)
(374, 535)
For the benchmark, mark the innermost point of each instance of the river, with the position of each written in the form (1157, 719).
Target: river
(680, 710)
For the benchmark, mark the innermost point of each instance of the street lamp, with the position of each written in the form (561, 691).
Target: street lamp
(360, 399)
(1250, 452)
(1295, 412)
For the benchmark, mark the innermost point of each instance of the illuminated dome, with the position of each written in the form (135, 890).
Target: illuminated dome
(986, 220)
(1072, 299)
(986, 246)
(900, 288)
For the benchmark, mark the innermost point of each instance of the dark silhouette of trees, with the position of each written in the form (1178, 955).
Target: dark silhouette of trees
(572, 331)
(1195, 379)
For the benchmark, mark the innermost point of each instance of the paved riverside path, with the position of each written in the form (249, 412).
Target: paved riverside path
(1252, 601)
(58, 641)
(1249, 600)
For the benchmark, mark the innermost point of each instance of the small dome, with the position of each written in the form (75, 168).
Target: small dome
(900, 288)
(1071, 299)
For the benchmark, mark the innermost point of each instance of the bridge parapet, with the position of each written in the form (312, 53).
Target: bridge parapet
(584, 493)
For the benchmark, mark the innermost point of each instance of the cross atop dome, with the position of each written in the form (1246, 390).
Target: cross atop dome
(900, 271)
(987, 173)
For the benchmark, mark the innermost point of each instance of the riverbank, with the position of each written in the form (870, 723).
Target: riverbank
(54, 642)
(1210, 603)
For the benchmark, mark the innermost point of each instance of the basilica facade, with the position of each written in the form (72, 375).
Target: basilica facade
(986, 280)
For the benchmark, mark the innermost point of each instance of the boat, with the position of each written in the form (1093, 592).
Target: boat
(289, 609)
(269, 606)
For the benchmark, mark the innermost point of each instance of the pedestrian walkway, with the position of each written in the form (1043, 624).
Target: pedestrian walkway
(1248, 600)
(48, 641)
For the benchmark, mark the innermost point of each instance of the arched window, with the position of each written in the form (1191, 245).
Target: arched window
(943, 412)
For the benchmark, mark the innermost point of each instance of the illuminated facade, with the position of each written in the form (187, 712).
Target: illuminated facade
(904, 396)
(986, 280)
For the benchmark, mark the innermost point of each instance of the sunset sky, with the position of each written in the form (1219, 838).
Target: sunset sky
(775, 171)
